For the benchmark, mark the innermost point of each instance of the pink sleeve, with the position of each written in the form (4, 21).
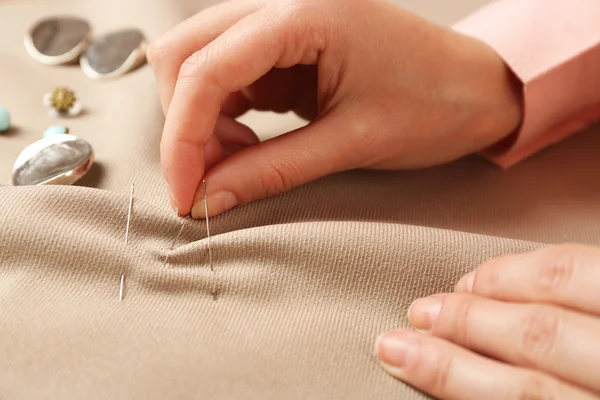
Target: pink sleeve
(553, 47)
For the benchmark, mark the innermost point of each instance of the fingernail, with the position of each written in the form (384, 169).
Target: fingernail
(465, 284)
(396, 350)
(423, 313)
(217, 204)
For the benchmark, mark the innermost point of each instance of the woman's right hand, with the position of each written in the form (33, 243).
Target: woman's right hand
(382, 87)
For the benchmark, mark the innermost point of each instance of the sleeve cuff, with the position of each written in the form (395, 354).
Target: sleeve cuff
(553, 47)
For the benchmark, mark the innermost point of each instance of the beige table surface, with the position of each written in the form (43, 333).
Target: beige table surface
(307, 280)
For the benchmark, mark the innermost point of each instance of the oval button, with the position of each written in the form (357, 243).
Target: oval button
(56, 160)
(115, 54)
(55, 41)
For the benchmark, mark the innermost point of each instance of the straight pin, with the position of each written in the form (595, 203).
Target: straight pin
(121, 289)
(122, 286)
(210, 259)
(129, 214)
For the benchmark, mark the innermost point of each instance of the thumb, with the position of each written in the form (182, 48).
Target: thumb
(274, 166)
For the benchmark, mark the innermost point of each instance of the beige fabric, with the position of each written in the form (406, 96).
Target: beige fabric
(306, 280)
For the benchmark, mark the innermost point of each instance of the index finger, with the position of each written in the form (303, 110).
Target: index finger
(236, 59)
(167, 53)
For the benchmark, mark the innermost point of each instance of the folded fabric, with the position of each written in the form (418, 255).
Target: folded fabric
(306, 281)
(298, 309)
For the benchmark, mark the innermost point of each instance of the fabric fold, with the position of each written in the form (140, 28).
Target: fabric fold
(298, 310)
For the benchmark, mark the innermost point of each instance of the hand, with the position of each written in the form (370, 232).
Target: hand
(535, 315)
(384, 89)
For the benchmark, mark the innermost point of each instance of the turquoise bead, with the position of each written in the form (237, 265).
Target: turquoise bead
(4, 119)
(56, 130)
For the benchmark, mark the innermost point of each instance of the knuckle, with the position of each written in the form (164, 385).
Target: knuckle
(433, 370)
(190, 67)
(490, 278)
(535, 388)
(487, 276)
(276, 179)
(441, 377)
(301, 34)
(541, 332)
(193, 66)
(293, 10)
(457, 315)
(557, 268)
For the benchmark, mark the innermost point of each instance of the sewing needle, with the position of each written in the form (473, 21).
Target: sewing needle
(121, 289)
(129, 214)
(210, 260)
(126, 239)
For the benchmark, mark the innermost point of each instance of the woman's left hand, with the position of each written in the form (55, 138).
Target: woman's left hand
(523, 326)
